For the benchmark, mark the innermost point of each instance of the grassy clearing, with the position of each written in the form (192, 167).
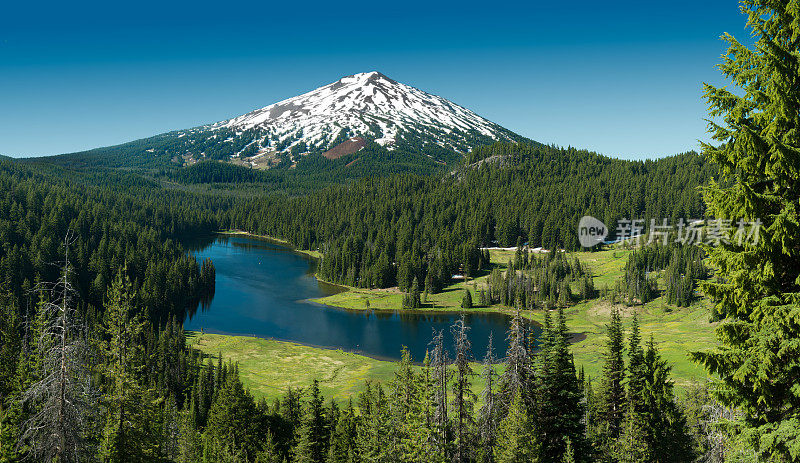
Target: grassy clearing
(606, 267)
(449, 299)
(268, 367)
(676, 331)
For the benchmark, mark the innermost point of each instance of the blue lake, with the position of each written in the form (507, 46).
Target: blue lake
(263, 289)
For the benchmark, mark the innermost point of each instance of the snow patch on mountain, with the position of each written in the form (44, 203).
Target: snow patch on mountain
(369, 105)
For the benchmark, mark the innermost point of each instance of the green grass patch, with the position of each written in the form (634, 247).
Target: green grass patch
(676, 331)
(268, 367)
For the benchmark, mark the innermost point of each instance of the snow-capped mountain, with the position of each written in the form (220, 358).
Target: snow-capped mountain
(367, 110)
(367, 105)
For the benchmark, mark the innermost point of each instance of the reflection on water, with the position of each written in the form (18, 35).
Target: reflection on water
(262, 289)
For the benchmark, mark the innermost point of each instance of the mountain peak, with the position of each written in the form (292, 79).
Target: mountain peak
(368, 76)
(369, 105)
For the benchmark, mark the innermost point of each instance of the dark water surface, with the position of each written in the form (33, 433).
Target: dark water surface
(263, 290)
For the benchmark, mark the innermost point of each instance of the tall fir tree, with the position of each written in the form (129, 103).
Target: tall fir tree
(441, 378)
(559, 395)
(314, 433)
(517, 374)
(487, 415)
(128, 435)
(611, 394)
(516, 435)
(342, 447)
(757, 289)
(463, 402)
(634, 443)
(233, 428)
(411, 431)
(667, 431)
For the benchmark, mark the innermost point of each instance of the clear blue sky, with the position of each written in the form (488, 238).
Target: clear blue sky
(622, 78)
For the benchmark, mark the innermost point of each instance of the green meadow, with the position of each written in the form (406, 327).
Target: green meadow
(268, 367)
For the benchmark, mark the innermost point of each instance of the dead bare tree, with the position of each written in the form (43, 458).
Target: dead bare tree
(63, 398)
(516, 376)
(439, 364)
(487, 415)
(463, 398)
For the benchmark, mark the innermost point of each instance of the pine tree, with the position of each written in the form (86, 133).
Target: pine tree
(270, 454)
(232, 429)
(516, 377)
(757, 290)
(11, 345)
(411, 299)
(313, 436)
(170, 429)
(409, 411)
(374, 441)
(559, 394)
(190, 445)
(487, 415)
(668, 435)
(634, 443)
(466, 302)
(441, 377)
(415, 299)
(342, 447)
(636, 373)
(128, 435)
(611, 395)
(516, 435)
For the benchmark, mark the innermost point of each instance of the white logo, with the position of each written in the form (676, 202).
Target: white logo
(591, 231)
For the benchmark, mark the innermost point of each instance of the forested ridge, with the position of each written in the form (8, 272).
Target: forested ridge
(112, 220)
(374, 232)
(379, 232)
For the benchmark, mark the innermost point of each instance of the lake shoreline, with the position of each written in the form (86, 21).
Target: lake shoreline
(333, 301)
(677, 330)
(338, 300)
(305, 252)
(267, 290)
(378, 358)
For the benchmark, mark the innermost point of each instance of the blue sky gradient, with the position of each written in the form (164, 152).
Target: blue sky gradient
(621, 78)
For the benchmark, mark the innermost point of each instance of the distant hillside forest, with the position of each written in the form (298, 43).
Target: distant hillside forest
(379, 228)
(383, 231)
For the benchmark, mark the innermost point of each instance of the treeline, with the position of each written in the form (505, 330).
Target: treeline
(382, 231)
(217, 172)
(538, 280)
(374, 232)
(683, 267)
(110, 220)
